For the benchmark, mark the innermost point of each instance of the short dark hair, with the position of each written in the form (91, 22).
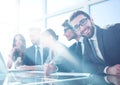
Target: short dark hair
(66, 25)
(52, 33)
(77, 13)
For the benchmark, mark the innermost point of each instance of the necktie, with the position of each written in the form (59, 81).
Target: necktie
(38, 56)
(95, 51)
(78, 49)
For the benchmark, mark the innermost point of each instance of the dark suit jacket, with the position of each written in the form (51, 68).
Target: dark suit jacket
(65, 61)
(77, 54)
(108, 42)
(29, 58)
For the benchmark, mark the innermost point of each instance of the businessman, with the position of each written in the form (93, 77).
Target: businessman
(76, 48)
(104, 57)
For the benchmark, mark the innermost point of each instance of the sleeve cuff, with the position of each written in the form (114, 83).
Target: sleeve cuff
(106, 79)
(105, 70)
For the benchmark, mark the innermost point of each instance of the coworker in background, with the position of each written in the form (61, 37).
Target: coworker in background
(35, 54)
(68, 31)
(75, 48)
(60, 55)
(107, 40)
(17, 52)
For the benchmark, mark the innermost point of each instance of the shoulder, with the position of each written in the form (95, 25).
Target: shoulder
(113, 29)
(112, 33)
(72, 46)
(29, 48)
(46, 49)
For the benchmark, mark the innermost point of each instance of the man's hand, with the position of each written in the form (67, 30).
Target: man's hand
(114, 70)
(114, 79)
(49, 68)
(32, 68)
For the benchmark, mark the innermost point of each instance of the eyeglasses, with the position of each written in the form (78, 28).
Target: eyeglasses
(65, 30)
(81, 23)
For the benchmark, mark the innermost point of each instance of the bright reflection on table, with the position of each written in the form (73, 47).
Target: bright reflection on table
(38, 78)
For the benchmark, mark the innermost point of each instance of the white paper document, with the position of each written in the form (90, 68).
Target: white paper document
(70, 74)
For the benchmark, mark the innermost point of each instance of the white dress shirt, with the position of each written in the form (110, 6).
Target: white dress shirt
(94, 38)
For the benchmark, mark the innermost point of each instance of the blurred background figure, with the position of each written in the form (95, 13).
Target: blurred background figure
(35, 54)
(68, 31)
(60, 55)
(17, 52)
(75, 48)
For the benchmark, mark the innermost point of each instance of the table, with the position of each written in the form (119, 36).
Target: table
(38, 78)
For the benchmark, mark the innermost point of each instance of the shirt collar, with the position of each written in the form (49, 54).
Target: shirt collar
(94, 35)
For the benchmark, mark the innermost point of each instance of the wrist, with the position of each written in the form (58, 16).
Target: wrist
(105, 69)
(107, 79)
(108, 70)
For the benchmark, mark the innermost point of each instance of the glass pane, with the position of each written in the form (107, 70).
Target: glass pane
(30, 14)
(58, 5)
(30, 10)
(55, 23)
(8, 25)
(106, 12)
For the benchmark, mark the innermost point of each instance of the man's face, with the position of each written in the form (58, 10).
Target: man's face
(35, 37)
(69, 34)
(83, 26)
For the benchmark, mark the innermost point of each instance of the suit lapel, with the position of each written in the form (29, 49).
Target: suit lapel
(88, 48)
(88, 52)
(100, 40)
(45, 54)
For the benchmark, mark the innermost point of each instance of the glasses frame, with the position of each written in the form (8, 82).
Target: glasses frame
(81, 23)
(65, 30)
